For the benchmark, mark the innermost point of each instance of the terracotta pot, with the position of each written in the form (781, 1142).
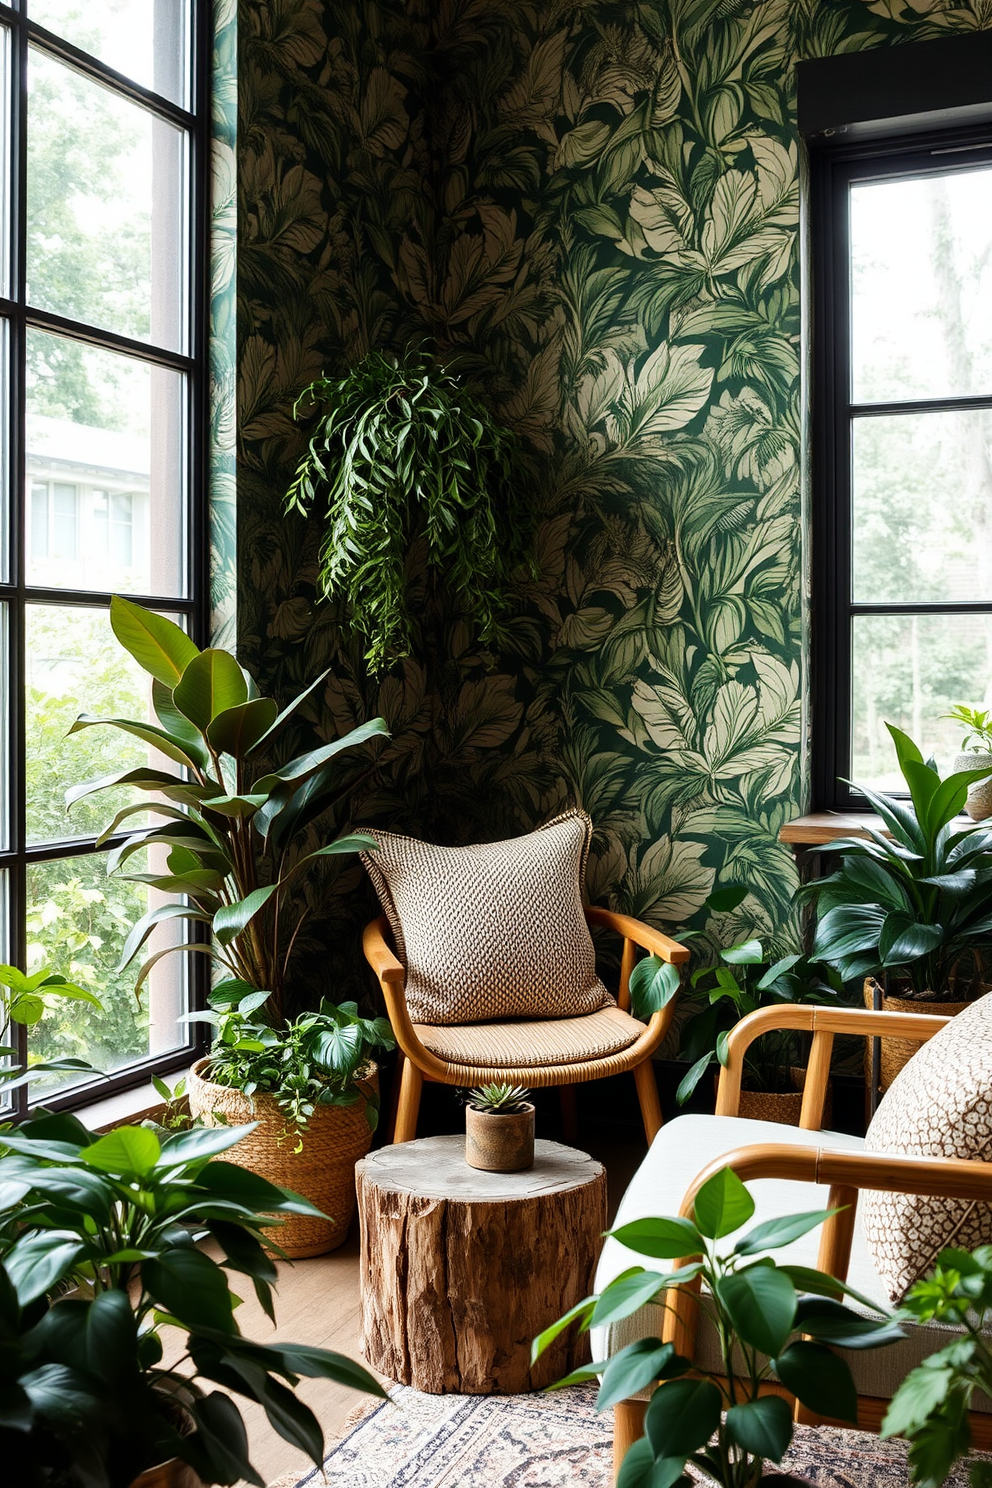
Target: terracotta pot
(898, 1052)
(783, 1106)
(499, 1142)
(979, 802)
(322, 1170)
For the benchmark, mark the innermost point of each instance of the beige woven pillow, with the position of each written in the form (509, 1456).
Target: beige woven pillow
(939, 1105)
(494, 931)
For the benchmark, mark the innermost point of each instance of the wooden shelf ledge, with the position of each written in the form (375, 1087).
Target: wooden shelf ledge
(826, 826)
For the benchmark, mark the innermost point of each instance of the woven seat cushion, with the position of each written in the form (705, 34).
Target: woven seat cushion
(677, 1156)
(528, 1045)
(939, 1105)
(495, 931)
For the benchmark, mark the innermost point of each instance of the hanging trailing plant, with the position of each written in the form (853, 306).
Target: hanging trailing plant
(401, 449)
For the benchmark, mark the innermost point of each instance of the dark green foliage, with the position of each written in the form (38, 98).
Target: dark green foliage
(932, 1403)
(918, 901)
(402, 449)
(767, 1330)
(82, 1383)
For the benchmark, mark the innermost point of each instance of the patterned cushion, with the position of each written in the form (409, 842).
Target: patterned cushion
(939, 1105)
(495, 931)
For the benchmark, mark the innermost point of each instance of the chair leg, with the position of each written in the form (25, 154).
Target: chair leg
(569, 1114)
(411, 1083)
(628, 1427)
(647, 1094)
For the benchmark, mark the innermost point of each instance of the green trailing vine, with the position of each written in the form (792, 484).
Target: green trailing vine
(401, 449)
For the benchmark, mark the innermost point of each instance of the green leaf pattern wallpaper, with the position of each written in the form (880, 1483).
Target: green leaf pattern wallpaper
(595, 205)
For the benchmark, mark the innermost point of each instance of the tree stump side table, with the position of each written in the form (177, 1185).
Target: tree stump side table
(460, 1268)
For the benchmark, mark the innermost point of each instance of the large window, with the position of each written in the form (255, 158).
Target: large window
(101, 310)
(902, 499)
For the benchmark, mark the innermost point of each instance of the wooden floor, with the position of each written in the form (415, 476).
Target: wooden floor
(317, 1303)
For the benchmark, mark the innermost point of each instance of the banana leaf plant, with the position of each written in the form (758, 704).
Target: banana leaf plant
(915, 899)
(230, 821)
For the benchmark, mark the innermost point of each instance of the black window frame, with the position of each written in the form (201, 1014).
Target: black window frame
(15, 593)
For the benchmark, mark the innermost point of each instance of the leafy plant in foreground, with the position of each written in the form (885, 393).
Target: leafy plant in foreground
(400, 449)
(88, 1398)
(721, 1423)
(25, 1000)
(931, 1405)
(918, 901)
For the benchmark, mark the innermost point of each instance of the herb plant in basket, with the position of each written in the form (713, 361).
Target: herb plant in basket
(773, 1322)
(227, 847)
(116, 1328)
(912, 903)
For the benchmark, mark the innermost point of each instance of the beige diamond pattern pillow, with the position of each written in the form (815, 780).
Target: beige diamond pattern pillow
(939, 1105)
(494, 931)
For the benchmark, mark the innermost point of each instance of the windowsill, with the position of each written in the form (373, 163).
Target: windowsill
(819, 827)
(125, 1108)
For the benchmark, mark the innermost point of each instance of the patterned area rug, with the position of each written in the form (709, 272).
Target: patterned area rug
(547, 1441)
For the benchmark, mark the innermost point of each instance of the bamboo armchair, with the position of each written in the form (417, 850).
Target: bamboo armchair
(843, 1172)
(418, 1063)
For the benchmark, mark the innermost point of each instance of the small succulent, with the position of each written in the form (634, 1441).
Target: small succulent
(499, 1099)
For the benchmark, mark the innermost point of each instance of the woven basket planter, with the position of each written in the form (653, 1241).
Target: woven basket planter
(323, 1170)
(898, 1052)
(783, 1106)
(979, 802)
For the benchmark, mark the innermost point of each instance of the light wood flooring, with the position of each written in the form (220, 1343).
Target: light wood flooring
(317, 1303)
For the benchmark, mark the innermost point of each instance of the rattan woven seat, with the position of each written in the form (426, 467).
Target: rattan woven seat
(540, 1052)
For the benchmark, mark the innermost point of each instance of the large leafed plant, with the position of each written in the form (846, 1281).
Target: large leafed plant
(400, 449)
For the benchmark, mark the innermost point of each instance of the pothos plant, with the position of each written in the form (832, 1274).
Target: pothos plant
(772, 1322)
(401, 449)
(228, 840)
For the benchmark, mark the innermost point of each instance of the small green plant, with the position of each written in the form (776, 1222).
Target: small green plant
(175, 1108)
(499, 1100)
(917, 901)
(772, 1321)
(401, 449)
(317, 1059)
(112, 1221)
(931, 1405)
(25, 1000)
(978, 728)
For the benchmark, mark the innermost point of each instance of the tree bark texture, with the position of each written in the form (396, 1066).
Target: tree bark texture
(460, 1268)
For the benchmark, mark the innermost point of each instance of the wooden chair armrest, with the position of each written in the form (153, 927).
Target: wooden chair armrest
(824, 1023)
(392, 979)
(642, 935)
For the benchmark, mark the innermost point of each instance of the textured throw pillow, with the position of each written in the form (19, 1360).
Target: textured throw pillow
(494, 931)
(939, 1105)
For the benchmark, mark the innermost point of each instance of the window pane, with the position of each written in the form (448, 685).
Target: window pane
(146, 42)
(922, 507)
(77, 920)
(101, 423)
(75, 665)
(909, 670)
(921, 254)
(105, 222)
(4, 736)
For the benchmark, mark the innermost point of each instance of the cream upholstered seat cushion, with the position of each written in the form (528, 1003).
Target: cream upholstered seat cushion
(494, 931)
(527, 1044)
(939, 1105)
(676, 1157)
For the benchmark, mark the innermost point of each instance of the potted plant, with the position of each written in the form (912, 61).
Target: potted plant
(499, 1129)
(976, 753)
(913, 902)
(719, 996)
(90, 1399)
(24, 999)
(722, 1423)
(931, 1406)
(401, 451)
(229, 836)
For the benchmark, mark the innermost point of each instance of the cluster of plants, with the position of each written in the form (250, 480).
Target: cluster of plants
(773, 1322)
(92, 1391)
(319, 1058)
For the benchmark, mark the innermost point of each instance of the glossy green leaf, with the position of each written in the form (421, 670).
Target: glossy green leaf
(682, 1416)
(761, 1303)
(231, 919)
(640, 1469)
(211, 684)
(774, 1233)
(819, 1378)
(762, 1427)
(663, 1239)
(190, 1286)
(238, 729)
(157, 644)
(722, 1205)
(653, 984)
(637, 1366)
(133, 1150)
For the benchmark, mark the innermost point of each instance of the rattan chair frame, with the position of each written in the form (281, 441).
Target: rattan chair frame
(418, 1063)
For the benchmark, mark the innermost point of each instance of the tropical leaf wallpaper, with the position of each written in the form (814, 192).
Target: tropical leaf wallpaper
(595, 205)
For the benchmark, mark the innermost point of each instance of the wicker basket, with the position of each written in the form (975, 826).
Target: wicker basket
(979, 802)
(898, 1052)
(782, 1106)
(323, 1170)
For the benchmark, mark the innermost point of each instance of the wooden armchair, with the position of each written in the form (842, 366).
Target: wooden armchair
(775, 1161)
(559, 1052)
